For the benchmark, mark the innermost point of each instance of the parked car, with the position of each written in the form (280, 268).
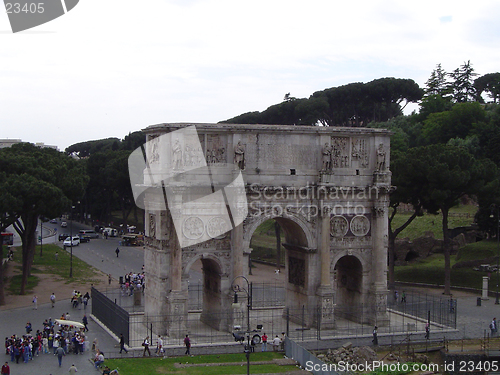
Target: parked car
(74, 242)
(63, 236)
(89, 232)
(64, 224)
(84, 238)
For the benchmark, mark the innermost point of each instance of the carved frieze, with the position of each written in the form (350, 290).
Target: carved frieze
(152, 225)
(340, 152)
(359, 152)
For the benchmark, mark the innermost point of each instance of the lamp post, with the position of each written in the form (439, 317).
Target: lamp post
(498, 252)
(71, 243)
(41, 236)
(237, 288)
(495, 206)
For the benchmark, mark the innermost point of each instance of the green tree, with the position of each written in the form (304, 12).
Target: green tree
(43, 182)
(409, 188)
(459, 122)
(489, 83)
(7, 200)
(462, 84)
(437, 84)
(447, 173)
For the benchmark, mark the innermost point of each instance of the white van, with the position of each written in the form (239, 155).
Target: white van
(112, 232)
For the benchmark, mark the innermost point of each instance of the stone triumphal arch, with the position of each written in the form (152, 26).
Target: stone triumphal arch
(327, 188)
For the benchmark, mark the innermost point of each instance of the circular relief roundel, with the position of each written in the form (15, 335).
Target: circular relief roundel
(338, 226)
(193, 228)
(360, 225)
(216, 227)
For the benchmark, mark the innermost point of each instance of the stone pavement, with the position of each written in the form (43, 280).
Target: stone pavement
(14, 321)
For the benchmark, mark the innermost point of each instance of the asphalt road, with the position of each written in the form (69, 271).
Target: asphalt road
(100, 252)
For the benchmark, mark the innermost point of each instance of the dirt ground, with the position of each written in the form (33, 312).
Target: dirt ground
(48, 284)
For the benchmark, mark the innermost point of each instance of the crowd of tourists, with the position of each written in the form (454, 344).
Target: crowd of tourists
(133, 282)
(46, 340)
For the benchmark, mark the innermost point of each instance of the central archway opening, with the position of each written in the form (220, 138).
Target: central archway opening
(348, 287)
(280, 245)
(205, 290)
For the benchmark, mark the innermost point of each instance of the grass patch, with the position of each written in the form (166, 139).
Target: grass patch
(479, 250)
(15, 284)
(154, 366)
(431, 271)
(433, 223)
(48, 264)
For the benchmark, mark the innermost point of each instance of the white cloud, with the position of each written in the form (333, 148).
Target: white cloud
(110, 67)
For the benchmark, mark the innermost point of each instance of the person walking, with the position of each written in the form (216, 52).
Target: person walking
(73, 370)
(122, 343)
(493, 326)
(35, 302)
(159, 345)
(146, 344)
(117, 251)
(52, 299)
(403, 297)
(264, 342)
(187, 343)
(85, 322)
(375, 337)
(5, 369)
(60, 353)
(427, 330)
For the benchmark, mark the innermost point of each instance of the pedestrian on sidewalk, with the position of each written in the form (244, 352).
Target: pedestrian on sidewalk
(52, 299)
(187, 343)
(264, 342)
(122, 343)
(117, 251)
(35, 302)
(427, 330)
(276, 343)
(5, 369)
(60, 353)
(146, 343)
(493, 326)
(375, 337)
(85, 322)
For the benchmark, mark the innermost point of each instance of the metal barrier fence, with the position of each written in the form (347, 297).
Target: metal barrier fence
(300, 324)
(438, 309)
(306, 359)
(264, 295)
(110, 314)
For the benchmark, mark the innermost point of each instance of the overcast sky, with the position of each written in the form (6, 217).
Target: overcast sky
(110, 67)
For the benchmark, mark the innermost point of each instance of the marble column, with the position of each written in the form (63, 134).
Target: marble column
(325, 290)
(378, 291)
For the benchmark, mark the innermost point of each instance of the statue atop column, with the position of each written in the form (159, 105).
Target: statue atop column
(239, 155)
(327, 158)
(177, 155)
(381, 154)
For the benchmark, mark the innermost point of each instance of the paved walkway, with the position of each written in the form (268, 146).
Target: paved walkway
(14, 321)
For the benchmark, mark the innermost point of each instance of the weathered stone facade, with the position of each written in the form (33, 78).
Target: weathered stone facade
(326, 187)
